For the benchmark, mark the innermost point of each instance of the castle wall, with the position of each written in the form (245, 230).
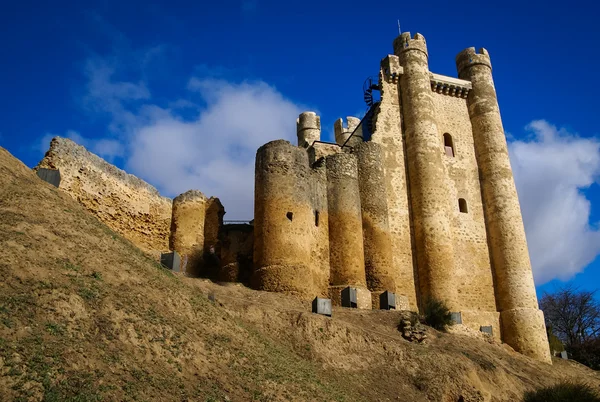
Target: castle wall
(126, 204)
(388, 132)
(283, 220)
(472, 274)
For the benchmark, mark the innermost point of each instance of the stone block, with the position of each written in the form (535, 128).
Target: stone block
(363, 297)
(349, 297)
(321, 306)
(387, 301)
(564, 355)
(51, 176)
(171, 261)
(457, 317)
(487, 329)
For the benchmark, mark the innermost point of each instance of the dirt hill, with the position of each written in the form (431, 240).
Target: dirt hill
(86, 316)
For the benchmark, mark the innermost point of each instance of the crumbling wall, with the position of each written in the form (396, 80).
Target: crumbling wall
(125, 203)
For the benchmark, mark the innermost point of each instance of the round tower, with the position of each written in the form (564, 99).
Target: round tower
(522, 322)
(342, 134)
(187, 230)
(308, 128)
(379, 265)
(283, 220)
(426, 176)
(347, 259)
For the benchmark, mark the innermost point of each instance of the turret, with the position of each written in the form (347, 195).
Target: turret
(187, 230)
(429, 195)
(522, 322)
(283, 220)
(308, 129)
(343, 133)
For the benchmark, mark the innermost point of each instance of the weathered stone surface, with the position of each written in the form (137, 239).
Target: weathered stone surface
(128, 205)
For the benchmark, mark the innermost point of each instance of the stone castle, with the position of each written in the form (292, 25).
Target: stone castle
(417, 198)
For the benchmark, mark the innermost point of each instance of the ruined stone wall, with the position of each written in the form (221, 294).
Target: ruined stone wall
(128, 205)
(472, 273)
(388, 132)
(237, 248)
(187, 230)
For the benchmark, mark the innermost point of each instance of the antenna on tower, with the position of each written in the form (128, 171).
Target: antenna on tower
(399, 30)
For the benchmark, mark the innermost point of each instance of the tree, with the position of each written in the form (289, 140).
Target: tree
(573, 315)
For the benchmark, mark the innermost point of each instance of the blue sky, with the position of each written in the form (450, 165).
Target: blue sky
(181, 93)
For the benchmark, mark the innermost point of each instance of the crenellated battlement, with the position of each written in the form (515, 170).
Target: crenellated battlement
(470, 57)
(404, 43)
(308, 129)
(344, 130)
(450, 86)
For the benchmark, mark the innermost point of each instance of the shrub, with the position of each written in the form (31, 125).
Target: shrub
(563, 392)
(437, 315)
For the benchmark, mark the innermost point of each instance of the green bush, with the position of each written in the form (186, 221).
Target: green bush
(437, 315)
(563, 392)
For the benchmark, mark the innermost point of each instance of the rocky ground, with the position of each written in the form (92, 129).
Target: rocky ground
(86, 316)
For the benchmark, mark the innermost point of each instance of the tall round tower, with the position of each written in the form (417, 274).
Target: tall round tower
(283, 220)
(522, 322)
(346, 251)
(426, 176)
(308, 129)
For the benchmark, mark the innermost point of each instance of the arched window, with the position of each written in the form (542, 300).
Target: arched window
(462, 205)
(449, 145)
(316, 218)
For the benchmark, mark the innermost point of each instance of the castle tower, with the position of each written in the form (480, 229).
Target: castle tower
(187, 230)
(379, 264)
(308, 129)
(429, 200)
(343, 133)
(346, 251)
(283, 220)
(522, 322)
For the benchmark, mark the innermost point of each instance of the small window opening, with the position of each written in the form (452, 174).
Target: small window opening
(290, 216)
(462, 205)
(317, 218)
(449, 145)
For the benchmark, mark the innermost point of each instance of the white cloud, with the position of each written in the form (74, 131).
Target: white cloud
(215, 151)
(551, 168)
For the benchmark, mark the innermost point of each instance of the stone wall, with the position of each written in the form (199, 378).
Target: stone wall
(126, 204)
(472, 268)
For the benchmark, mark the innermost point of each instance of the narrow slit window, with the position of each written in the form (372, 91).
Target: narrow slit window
(317, 218)
(290, 216)
(449, 145)
(462, 205)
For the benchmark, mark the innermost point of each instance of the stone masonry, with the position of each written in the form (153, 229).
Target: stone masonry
(418, 198)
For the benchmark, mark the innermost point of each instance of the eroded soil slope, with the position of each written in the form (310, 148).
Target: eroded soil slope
(86, 316)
